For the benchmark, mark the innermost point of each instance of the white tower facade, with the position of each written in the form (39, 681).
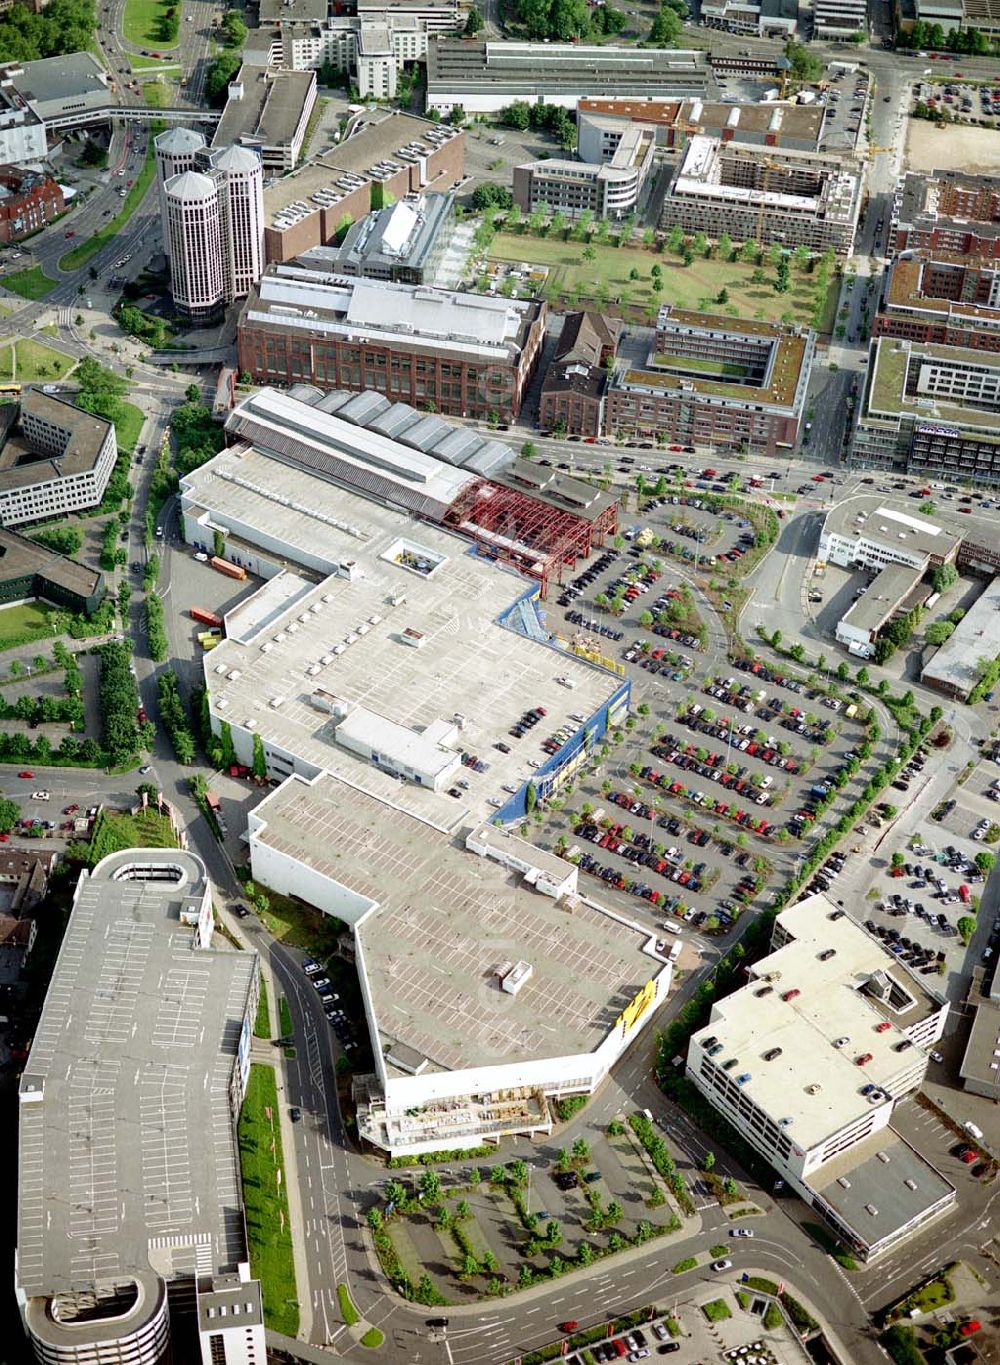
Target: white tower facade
(194, 233)
(240, 177)
(175, 153)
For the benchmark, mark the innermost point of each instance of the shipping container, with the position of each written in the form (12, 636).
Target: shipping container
(207, 618)
(230, 570)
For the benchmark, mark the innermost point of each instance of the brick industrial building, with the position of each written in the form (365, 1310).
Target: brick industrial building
(764, 195)
(948, 211)
(469, 356)
(572, 399)
(387, 156)
(945, 299)
(715, 381)
(28, 200)
(930, 410)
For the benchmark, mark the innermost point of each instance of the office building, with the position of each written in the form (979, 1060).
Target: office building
(268, 112)
(29, 570)
(715, 381)
(947, 300)
(808, 1061)
(372, 46)
(54, 458)
(606, 189)
(404, 243)
(762, 18)
(840, 20)
(175, 152)
(866, 533)
(484, 77)
(214, 218)
(386, 156)
(949, 211)
(57, 93)
(953, 667)
(895, 591)
(931, 411)
(29, 199)
(130, 1207)
(464, 355)
(764, 195)
(602, 121)
(572, 397)
(275, 493)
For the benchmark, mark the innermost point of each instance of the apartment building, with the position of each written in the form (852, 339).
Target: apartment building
(930, 410)
(54, 458)
(608, 189)
(387, 156)
(773, 195)
(944, 299)
(715, 381)
(29, 199)
(572, 398)
(949, 211)
(808, 1061)
(484, 77)
(463, 355)
(602, 121)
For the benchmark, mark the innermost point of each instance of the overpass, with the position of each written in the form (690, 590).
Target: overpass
(138, 113)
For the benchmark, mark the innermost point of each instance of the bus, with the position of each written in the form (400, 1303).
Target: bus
(10, 391)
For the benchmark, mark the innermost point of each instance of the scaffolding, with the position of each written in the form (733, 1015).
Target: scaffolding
(534, 537)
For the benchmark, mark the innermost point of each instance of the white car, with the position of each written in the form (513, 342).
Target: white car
(39, 796)
(741, 1232)
(201, 558)
(936, 1057)
(721, 1265)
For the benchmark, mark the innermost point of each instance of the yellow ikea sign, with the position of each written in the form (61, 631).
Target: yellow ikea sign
(637, 1007)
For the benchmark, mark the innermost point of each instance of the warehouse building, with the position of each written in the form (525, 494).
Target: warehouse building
(54, 458)
(950, 211)
(715, 381)
(895, 590)
(943, 299)
(953, 669)
(484, 77)
(931, 411)
(764, 195)
(478, 929)
(607, 189)
(268, 111)
(602, 121)
(404, 243)
(468, 355)
(386, 156)
(865, 533)
(808, 1061)
(298, 453)
(980, 1068)
(128, 1248)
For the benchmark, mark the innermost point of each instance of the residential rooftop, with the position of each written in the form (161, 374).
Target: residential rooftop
(345, 637)
(892, 392)
(783, 382)
(804, 1003)
(906, 289)
(976, 635)
(878, 521)
(131, 1061)
(444, 924)
(23, 464)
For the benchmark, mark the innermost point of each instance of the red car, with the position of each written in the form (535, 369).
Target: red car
(71, 810)
(4, 838)
(570, 1326)
(968, 1329)
(25, 773)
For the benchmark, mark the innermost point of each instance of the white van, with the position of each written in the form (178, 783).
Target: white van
(670, 927)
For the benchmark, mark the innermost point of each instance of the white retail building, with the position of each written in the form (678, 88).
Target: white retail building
(808, 1061)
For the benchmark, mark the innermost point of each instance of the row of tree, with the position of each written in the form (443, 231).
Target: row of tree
(124, 735)
(62, 26)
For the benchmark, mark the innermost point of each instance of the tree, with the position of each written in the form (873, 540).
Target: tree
(218, 76)
(938, 632)
(943, 577)
(708, 1162)
(966, 927)
(581, 1149)
(667, 28)
(473, 22)
(234, 29)
(10, 813)
(430, 1186)
(259, 764)
(518, 1171)
(984, 860)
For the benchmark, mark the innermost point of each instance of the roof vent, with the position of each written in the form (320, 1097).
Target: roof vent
(883, 1157)
(870, 1208)
(910, 1184)
(843, 1182)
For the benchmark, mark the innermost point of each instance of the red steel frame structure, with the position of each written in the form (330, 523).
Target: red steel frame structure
(525, 532)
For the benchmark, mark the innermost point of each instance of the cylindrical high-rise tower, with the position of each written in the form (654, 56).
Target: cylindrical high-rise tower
(194, 231)
(175, 153)
(240, 177)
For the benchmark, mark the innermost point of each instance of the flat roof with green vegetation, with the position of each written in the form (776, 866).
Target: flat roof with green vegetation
(695, 287)
(780, 392)
(888, 396)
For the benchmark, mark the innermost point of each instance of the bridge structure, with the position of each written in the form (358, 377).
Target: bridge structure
(130, 113)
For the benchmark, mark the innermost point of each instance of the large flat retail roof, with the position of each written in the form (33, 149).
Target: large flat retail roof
(130, 1066)
(446, 921)
(467, 662)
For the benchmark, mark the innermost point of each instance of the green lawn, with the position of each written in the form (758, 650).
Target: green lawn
(373, 1338)
(81, 254)
(156, 95)
(262, 1025)
(142, 24)
(37, 361)
(347, 1309)
(717, 1310)
(6, 364)
(30, 284)
(128, 429)
(114, 831)
(141, 64)
(266, 1204)
(698, 284)
(28, 619)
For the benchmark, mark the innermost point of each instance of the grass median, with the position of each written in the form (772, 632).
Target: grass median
(32, 283)
(81, 254)
(142, 22)
(266, 1204)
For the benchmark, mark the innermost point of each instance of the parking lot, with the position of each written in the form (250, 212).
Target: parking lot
(975, 102)
(845, 107)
